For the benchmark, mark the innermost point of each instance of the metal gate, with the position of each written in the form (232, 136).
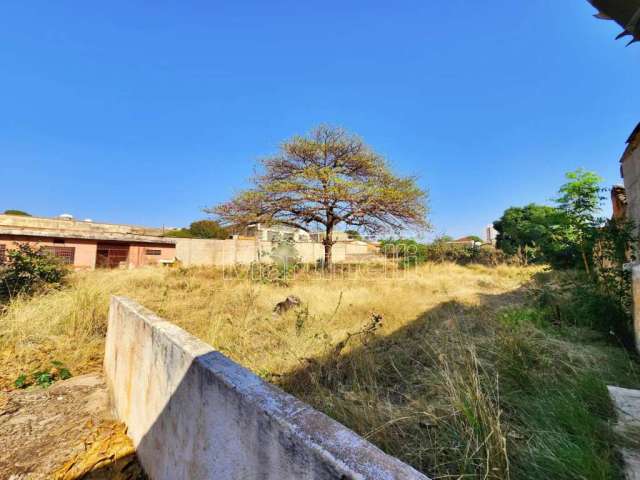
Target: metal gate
(112, 256)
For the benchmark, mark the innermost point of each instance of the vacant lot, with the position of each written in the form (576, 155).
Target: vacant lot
(453, 369)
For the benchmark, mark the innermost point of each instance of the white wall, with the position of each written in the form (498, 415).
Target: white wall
(194, 414)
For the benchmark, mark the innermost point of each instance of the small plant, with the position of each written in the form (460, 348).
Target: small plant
(21, 381)
(44, 378)
(61, 371)
(302, 316)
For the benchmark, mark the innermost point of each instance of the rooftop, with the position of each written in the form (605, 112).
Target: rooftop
(67, 228)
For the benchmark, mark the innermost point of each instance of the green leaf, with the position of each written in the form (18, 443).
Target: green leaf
(21, 381)
(44, 379)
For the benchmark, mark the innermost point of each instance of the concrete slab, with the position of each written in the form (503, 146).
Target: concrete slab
(47, 433)
(627, 405)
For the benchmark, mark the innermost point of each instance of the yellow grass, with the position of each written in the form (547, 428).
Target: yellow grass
(458, 380)
(235, 315)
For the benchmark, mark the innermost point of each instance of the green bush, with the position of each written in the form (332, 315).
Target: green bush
(19, 213)
(28, 270)
(574, 299)
(209, 229)
(411, 253)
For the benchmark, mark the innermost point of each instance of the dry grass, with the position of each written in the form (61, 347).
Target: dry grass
(234, 315)
(458, 380)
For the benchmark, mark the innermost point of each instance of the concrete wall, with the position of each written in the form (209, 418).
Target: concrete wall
(636, 303)
(631, 174)
(58, 224)
(194, 414)
(240, 251)
(139, 254)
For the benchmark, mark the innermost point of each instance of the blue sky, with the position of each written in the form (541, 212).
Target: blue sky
(145, 112)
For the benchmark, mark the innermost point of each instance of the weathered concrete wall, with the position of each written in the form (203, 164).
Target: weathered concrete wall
(194, 414)
(59, 225)
(240, 251)
(150, 254)
(631, 173)
(636, 303)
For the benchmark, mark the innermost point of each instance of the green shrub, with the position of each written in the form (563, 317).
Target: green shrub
(19, 213)
(28, 270)
(44, 378)
(411, 253)
(201, 229)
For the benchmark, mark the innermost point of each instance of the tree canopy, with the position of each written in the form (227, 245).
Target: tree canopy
(562, 234)
(19, 213)
(537, 233)
(327, 178)
(353, 234)
(201, 229)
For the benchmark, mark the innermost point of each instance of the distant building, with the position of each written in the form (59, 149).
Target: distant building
(338, 236)
(630, 169)
(276, 233)
(490, 234)
(85, 244)
(468, 241)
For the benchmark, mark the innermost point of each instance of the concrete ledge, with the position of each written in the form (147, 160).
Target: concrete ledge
(107, 236)
(195, 414)
(627, 405)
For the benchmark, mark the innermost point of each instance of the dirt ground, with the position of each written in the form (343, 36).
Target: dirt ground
(64, 432)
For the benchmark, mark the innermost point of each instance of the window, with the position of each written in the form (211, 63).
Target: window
(153, 251)
(3, 253)
(66, 255)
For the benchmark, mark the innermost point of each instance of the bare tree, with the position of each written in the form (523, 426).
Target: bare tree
(327, 178)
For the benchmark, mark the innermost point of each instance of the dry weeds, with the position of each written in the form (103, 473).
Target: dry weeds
(234, 315)
(422, 364)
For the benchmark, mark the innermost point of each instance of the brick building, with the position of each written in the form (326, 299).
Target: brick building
(88, 245)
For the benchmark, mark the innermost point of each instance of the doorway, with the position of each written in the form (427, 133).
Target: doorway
(112, 255)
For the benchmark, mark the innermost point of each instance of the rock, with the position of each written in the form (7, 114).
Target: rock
(287, 304)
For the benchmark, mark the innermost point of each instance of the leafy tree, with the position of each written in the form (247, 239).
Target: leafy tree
(179, 233)
(17, 212)
(536, 233)
(208, 229)
(328, 178)
(353, 234)
(475, 238)
(443, 239)
(564, 235)
(580, 200)
(201, 229)
(28, 270)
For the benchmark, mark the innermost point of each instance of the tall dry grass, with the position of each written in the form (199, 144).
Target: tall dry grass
(235, 315)
(442, 366)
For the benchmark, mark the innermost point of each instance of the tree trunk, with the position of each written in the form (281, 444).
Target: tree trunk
(328, 246)
(327, 255)
(586, 262)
